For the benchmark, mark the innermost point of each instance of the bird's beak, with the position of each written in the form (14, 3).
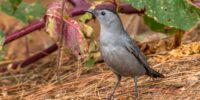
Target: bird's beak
(93, 12)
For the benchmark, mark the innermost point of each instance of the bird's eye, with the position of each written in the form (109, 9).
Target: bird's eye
(103, 13)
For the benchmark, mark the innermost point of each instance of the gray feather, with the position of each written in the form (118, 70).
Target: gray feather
(117, 48)
(135, 51)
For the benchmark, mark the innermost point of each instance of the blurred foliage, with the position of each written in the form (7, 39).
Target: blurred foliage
(21, 10)
(2, 39)
(177, 14)
(89, 63)
(156, 26)
(84, 18)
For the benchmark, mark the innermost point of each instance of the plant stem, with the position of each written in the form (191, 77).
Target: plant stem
(29, 60)
(24, 31)
(61, 38)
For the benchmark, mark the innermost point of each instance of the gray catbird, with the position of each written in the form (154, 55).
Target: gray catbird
(119, 51)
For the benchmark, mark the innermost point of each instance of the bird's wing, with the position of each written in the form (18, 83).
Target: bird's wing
(134, 49)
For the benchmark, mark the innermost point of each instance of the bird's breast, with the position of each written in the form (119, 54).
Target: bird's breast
(120, 60)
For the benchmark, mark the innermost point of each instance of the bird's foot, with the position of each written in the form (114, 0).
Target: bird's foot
(136, 96)
(110, 98)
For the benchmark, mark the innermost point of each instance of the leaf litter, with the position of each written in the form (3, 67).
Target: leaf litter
(38, 82)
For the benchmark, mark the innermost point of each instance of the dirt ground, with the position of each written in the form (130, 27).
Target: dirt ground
(181, 67)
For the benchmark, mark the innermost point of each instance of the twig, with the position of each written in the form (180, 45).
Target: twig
(24, 31)
(30, 59)
(61, 38)
(27, 47)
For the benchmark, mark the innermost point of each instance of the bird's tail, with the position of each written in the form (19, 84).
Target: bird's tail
(154, 73)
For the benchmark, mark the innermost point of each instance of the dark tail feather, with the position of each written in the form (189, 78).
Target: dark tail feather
(154, 73)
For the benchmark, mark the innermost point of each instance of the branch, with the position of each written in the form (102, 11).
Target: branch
(24, 31)
(30, 59)
(61, 39)
(80, 6)
(128, 9)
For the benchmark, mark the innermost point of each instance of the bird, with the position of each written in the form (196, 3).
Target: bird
(119, 51)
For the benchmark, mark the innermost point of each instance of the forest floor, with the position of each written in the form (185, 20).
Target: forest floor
(181, 67)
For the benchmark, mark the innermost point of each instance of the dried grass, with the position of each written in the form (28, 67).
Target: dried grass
(38, 82)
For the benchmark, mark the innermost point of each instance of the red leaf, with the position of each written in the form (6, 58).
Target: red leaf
(73, 37)
(195, 3)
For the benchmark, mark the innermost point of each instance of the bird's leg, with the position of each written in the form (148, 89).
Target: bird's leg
(135, 87)
(116, 85)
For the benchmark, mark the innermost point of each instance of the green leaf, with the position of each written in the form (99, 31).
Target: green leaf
(155, 26)
(15, 2)
(174, 13)
(94, 46)
(87, 30)
(139, 4)
(89, 63)
(6, 7)
(36, 11)
(86, 17)
(27, 12)
(22, 12)
(2, 39)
